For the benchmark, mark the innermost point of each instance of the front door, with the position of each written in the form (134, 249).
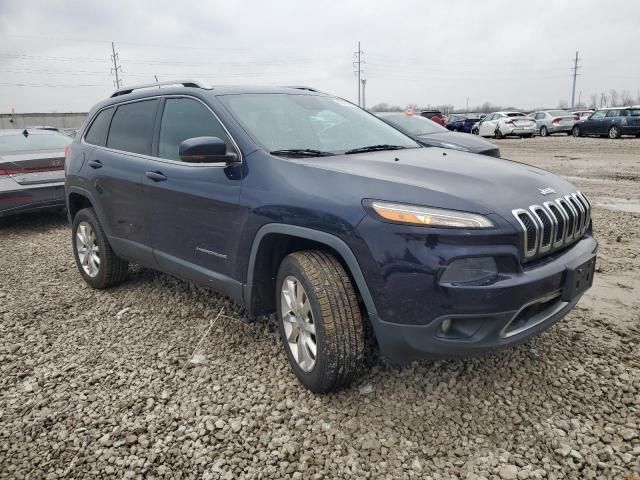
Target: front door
(595, 124)
(194, 207)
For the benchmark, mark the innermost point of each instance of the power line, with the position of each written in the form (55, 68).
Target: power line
(116, 67)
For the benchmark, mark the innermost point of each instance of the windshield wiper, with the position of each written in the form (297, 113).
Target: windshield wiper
(301, 152)
(373, 148)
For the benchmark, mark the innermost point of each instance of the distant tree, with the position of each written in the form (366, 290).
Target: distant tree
(563, 104)
(626, 98)
(594, 100)
(385, 107)
(615, 98)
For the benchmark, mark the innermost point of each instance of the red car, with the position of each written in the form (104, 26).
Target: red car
(434, 115)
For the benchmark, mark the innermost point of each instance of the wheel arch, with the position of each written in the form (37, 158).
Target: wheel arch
(77, 199)
(275, 241)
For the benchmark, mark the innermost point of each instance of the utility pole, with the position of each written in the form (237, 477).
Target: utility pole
(467, 110)
(575, 74)
(364, 98)
(116, 67)
(358, 66)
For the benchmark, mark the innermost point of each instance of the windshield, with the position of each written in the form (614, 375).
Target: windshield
(34, 141)
(415, 124)
(312, 122)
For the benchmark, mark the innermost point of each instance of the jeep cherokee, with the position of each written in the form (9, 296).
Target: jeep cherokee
(294, 201)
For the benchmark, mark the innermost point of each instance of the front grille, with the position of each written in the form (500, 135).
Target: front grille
(553, 224)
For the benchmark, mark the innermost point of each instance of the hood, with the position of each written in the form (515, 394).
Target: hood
(446, 179)
(472, 143)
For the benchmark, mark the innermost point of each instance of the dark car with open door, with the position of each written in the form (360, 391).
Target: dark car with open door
(31, 170)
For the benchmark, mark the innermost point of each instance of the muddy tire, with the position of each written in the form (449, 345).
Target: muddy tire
(320, 321)
(576, 132)
(97, 263)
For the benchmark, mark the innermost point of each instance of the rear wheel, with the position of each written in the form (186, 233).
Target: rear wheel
(614, 132)
(576, 131)
(320, 320)
(543, 131)
(498, 133)
(475, 131)
(98, 264)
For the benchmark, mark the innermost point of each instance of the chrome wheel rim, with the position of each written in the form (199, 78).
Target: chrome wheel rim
(576, 132)
(88, 249)
(297, 320)
(613, 132)
(543, 132)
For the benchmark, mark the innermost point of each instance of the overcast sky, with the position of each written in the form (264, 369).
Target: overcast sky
(55, 56)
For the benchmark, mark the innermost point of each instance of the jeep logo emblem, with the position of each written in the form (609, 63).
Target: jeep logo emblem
(546, 191)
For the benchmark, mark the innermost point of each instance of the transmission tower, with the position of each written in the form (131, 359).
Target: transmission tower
(575, 75)
(116, 67)
(357, 65)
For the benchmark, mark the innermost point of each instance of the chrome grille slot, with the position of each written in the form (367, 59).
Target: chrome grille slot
(553, 224)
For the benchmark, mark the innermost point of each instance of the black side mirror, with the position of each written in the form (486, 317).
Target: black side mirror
(205, 150)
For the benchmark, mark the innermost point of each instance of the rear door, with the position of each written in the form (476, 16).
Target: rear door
(612, 118)
(194, 207)
(633, 119)
(115, 173)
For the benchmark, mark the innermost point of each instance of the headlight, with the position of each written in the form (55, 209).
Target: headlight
(428, 217)
(453, 146)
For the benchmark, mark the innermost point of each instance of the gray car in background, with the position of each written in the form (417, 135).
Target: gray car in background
(554, 121)
(31, 170)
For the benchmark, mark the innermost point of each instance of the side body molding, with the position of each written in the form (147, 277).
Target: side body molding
(321, 237)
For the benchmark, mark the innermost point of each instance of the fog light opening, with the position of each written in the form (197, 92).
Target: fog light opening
(445, 326)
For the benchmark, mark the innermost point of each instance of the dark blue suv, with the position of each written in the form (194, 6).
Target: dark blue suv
(294, 201)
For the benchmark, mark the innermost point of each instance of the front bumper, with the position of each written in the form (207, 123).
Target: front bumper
(411, 303)
(16, 199)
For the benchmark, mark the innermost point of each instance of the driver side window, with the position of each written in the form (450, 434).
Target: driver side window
(185, 118)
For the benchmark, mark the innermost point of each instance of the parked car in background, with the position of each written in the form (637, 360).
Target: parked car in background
(461, 123)
(434, 115)
(430, 134)
(504, 124)
(582, 114)
(554, 121)
(351, 234)
(611, 122)
(31, 170)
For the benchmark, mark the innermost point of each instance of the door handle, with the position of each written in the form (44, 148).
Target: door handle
(95, 163)
(156, 176)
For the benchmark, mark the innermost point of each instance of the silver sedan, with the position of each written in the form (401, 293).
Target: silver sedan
(554, 121)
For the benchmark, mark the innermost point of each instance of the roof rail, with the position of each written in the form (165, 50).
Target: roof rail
(302, 87)
(184, 83)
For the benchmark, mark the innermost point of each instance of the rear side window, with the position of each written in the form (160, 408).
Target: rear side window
(132, 127)
(97, 134)
(634, 113)
(185, 118)
(612, 113)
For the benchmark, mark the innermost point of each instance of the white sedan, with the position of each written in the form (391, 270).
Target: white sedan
(503, 124)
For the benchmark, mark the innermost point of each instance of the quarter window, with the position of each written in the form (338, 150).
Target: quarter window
(185, 118)
(132, 127)
(612, 113)
(97, 133)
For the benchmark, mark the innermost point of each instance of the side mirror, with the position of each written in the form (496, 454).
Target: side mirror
(205, 150)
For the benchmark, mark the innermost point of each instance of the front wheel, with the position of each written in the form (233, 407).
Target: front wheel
(475, 131)
(576, 131)
(543, 131)
(614, 132)
(320, 321)
(96, 261)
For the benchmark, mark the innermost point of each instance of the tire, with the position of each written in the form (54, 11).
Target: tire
(498, 134)
(88, 236)
(475, 131)
(543, 131)
(328, 317)
(576, 132)
(614, 132)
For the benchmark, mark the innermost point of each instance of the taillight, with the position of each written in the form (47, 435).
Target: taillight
(555, 121)
(66, 150)
(576, 118)
(508, 120)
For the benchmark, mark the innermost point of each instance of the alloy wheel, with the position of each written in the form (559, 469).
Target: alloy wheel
(88, 249)
(299, 327)
(613, 132)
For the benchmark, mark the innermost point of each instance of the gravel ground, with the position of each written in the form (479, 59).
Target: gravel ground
(89, 389)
